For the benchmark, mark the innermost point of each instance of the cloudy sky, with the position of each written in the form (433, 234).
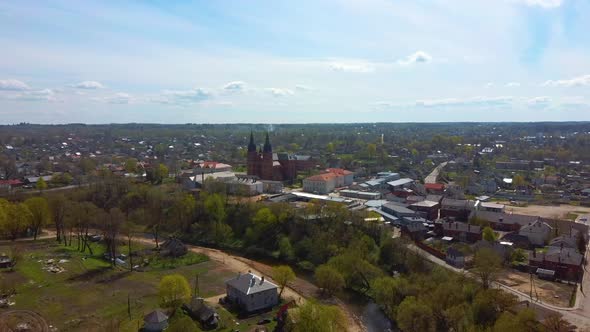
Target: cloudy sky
(294, 61)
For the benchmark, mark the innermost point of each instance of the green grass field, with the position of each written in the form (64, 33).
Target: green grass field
(90, 295)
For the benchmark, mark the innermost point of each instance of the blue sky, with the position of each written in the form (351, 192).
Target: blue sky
(285, 61)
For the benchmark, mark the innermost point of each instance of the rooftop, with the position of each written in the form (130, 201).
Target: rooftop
(250, 283)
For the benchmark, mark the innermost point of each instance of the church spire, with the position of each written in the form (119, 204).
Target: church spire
(251, 145)
(267, 146)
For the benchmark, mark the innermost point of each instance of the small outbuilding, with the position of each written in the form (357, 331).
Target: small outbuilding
(205, 314)
(173, 247)
(155, 321)
(5, 261)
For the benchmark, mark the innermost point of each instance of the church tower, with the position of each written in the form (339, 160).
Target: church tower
(267, 162)
(252, 157)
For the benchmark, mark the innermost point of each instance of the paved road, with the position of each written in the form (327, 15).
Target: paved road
(432, 177)
(578, 315)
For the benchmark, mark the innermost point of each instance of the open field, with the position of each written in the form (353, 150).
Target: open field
(554, 293)
(547, 211)
(89, 295)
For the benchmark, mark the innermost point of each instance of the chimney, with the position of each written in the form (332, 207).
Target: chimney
(262, 280)
(501, 219)
(252, 282)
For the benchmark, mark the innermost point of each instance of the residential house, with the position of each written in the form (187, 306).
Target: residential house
(503, 221)
(517, 240)
(415, 230)
(564, 241)
(434, 188)
(458, 230)
(458, 209)
(455, 257)
(427, 209)
(32, 180)
(10, 184)
(538, 232)
(502, 248)
(566, 262)
(251, 293)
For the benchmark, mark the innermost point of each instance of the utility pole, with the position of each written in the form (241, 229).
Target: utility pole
(129, 306)
(196, 292)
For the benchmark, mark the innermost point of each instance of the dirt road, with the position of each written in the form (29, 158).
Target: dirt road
(298, 290)
(546, 211)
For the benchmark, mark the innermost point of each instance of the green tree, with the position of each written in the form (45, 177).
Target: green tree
(524, 321)
(174, 290)
(488, 234)
(518, 181)
(286, 251)
(57, 206)
(487, 264)
(328, 279)
(41, 184)
(40, 214)
(556, 323)
(518, 256)
(413, 315)
(282, 275)
(182, 324)
(371, 150)
(315, 317)
(389, 293)
(18, 218)
(162, 172)
(330, 147)
(131, 165)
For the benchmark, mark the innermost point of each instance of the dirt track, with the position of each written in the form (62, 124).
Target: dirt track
(546, 211)
(298, 290)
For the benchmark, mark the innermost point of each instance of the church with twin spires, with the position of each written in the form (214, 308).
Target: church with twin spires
(266, 165)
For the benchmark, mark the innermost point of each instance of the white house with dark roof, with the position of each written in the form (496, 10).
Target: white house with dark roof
(251, 292)
(538, 232)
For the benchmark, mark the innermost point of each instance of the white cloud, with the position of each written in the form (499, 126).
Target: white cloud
(539, 102)
(280, 92)
(489, 85)
(301, 87)
(182, 97)
(418, 57)
(512, 85)
(36, 95)
(89, 85)
(352, 66)
(118, 98)
(13, 85)
(543, 3)
(458, 102)
(576, 81)
(234, 86)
